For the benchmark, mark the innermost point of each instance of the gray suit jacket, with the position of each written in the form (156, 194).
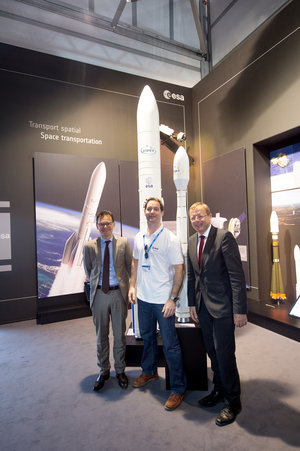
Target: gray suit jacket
(220, 282)
(122, 255)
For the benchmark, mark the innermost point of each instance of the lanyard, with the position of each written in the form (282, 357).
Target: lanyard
(153, 241)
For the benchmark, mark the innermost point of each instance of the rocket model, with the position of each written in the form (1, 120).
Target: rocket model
(297, 264)
(70, 276)
(218, 221)
(277, 288)
(149, 170)
(181, 176)
(148, 150)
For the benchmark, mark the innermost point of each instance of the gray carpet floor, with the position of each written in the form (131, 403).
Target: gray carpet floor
(47, 401)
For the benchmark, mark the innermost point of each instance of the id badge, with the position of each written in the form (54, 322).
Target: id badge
(146, 267)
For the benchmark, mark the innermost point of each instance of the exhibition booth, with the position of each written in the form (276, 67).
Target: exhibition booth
(62, 120)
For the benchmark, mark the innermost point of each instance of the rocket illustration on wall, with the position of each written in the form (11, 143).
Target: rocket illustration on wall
(181, 176)
(277, 288)
(70, 276)
(297, 264)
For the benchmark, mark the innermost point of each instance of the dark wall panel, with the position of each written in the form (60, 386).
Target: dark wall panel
(93, 104)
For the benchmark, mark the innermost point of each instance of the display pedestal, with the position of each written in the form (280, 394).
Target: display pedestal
(193, 354)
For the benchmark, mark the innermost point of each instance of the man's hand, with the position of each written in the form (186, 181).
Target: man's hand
(169, 308)
(193, 314)
(131, 295)
(239, 320)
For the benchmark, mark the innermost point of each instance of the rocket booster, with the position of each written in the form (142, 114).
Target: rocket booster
(181, 179)
(181, 176)
(148, 150)
(72, 254)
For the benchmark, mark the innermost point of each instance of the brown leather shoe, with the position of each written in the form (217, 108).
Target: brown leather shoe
(143, 379)
(174, 401)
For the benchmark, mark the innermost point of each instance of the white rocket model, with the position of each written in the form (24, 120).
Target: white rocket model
(181, 176)
(297, 264)
(218, 221)
(149, 170)
(70, 276)
(277, 288)
(148, 150)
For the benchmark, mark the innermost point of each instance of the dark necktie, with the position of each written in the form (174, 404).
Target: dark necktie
(105, 274)
(201, 249)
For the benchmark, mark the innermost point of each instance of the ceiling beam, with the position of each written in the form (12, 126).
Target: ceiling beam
(89, 38)
(118, 13)
(137, 34)
(199, 28)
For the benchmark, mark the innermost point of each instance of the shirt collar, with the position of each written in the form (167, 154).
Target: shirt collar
(103, 240)
(206, 233)
(154, 233)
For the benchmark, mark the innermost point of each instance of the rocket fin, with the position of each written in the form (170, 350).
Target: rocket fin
(68, 248)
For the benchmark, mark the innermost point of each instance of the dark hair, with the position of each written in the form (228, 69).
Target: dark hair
(104, 213)
(156, 199)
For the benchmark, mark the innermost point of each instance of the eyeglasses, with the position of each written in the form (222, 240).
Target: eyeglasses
(146, 251)
(197, 218)
(104, 224)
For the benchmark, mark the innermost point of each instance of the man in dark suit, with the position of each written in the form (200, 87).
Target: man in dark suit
(217, 299)
(107, 263)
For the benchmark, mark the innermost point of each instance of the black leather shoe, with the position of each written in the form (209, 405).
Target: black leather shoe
(228, 414)
(100, 381)
(122, 380)
(212, 399)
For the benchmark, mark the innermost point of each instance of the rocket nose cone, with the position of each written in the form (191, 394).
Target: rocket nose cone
(180, 155)
(147, 96)
(181, 159)
(99, 171)
(147, 111)
(147, 91)
(181, 170)
(274, 222)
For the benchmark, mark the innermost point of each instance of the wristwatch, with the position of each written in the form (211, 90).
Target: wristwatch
(174, 298)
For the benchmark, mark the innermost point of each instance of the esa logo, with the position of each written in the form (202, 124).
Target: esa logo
(148, 150)
(148, 182)
(169, 95)
(178, 170)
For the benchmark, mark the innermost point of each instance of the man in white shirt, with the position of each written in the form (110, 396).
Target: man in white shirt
(157, 267)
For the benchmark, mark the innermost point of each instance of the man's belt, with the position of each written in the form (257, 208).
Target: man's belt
(116, 287)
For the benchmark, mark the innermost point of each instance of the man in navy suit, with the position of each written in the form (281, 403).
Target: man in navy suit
(217, 299)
